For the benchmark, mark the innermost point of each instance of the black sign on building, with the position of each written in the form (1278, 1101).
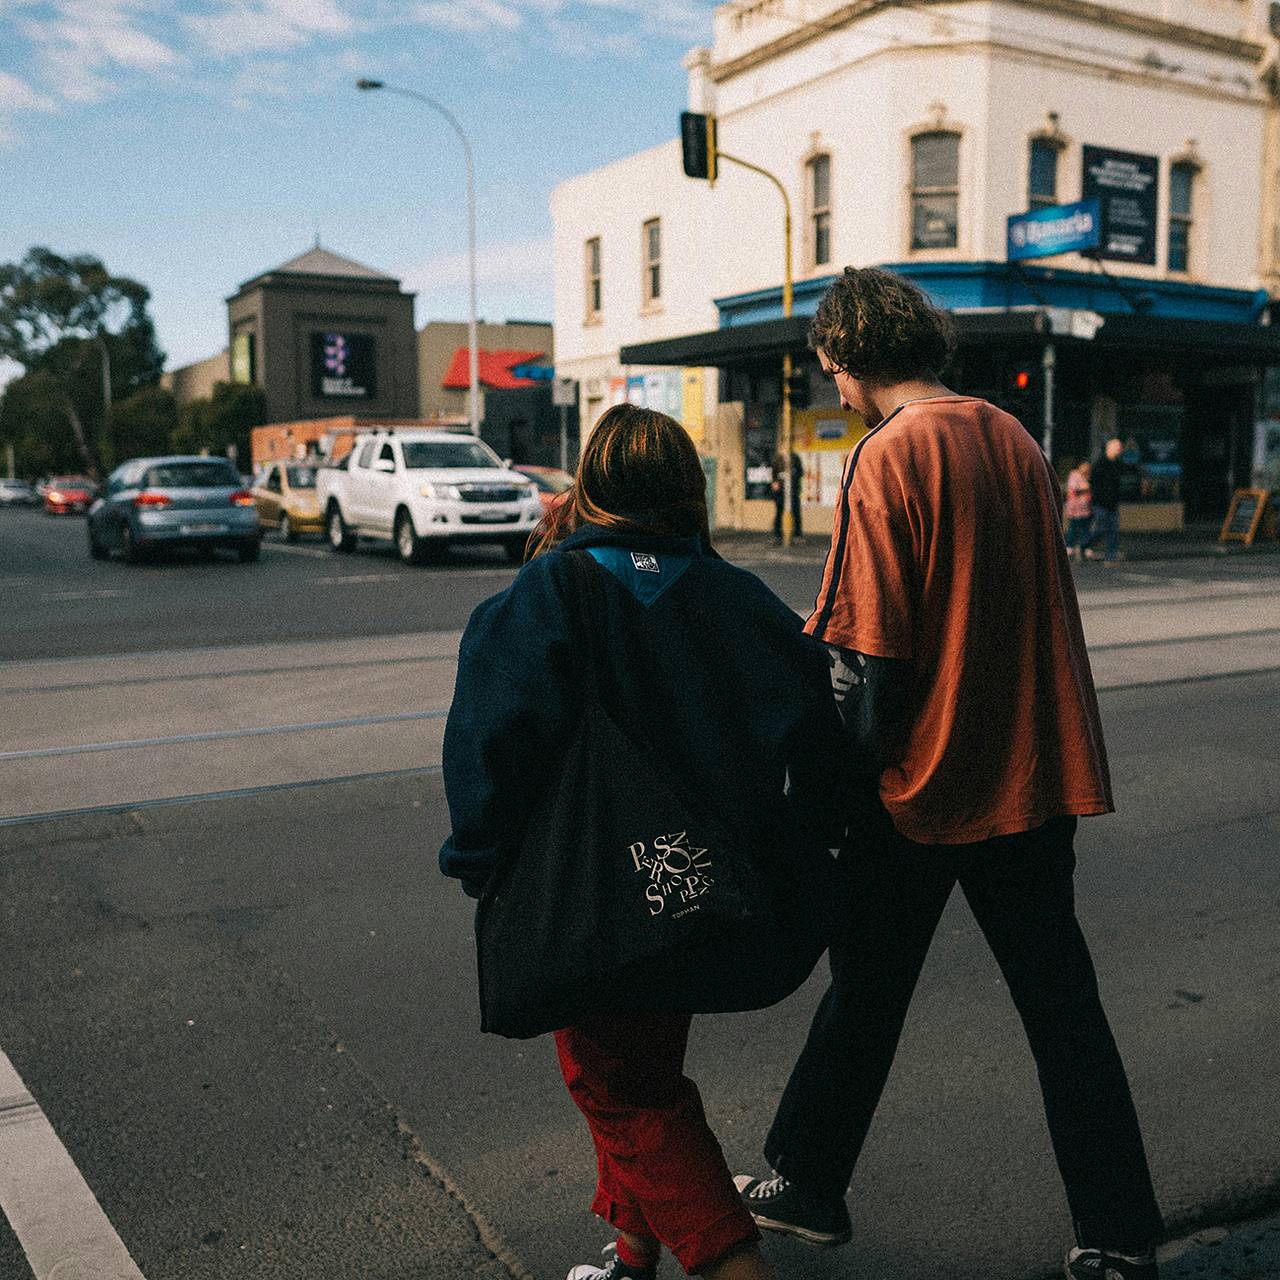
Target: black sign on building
(344, 366)
(1126, 185)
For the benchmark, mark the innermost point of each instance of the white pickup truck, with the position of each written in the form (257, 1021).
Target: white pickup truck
(425, 489)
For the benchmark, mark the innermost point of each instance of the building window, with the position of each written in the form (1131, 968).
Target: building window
(651, 238)
(1182, 179)
(820, 209)
(935, 190)
(1042, 174)
(594, 292)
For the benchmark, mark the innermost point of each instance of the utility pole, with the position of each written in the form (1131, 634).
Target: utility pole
(701, 155)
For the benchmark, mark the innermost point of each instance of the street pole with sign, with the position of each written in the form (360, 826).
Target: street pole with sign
(473, 347)
(564, 395)
(701, 155)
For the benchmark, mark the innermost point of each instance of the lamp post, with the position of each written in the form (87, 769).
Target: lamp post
(473, 349)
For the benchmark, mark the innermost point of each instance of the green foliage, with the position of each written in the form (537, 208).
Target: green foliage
(225, 418)
(64, 319)
(33, 421)
(141, 425)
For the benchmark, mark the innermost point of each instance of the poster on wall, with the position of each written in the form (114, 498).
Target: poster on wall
(343, 366)
(243, 363)
(1126, 186)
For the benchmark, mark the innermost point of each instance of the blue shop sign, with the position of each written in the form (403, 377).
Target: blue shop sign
(1059, 228)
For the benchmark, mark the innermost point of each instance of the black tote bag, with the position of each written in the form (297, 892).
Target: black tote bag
(624, 895)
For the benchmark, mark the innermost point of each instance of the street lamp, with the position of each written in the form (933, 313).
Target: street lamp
(473, 348)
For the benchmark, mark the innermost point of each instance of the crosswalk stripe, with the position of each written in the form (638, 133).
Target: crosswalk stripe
(57, 1219)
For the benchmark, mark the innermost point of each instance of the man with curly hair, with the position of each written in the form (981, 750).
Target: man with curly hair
(959, 661)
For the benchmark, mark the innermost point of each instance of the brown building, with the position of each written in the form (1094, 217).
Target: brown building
(196, 381)
(325, 337)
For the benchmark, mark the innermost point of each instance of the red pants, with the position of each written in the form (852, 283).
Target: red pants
(662, 1173)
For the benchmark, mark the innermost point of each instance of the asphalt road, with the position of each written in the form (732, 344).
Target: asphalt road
(250, 1019)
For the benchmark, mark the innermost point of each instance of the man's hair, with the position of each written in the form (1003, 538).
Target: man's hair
(878, 327)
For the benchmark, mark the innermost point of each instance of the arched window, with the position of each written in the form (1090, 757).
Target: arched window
(935, 190)
(1182, 181)
(1042, 173)
(819, 188)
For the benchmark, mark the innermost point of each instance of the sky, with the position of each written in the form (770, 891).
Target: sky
(192, 144)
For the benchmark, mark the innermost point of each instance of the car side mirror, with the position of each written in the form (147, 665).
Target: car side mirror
(506, 462)
(385, 465)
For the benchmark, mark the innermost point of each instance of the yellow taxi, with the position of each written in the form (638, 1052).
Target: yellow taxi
(285, 495)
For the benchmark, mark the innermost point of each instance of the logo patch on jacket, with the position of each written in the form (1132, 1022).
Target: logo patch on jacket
(645, 562)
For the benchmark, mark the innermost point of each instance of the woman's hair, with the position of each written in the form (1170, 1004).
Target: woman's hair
(638, 472)
(878, 327)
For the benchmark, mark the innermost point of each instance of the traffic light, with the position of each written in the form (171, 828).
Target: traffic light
(798, 391)
(698, 145)
(1021, 380)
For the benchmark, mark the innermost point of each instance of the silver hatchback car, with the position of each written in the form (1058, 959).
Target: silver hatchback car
(150, 503)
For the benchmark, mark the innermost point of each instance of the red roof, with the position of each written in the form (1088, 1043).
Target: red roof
(495, 369)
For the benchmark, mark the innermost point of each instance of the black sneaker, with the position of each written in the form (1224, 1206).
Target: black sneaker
(1098, 1264)
(779, 1205)
(615, 1269)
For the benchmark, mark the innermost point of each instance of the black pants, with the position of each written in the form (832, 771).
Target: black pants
(779, 506)
(1020, 890)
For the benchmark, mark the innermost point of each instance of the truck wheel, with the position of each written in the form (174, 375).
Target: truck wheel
(412, 549)
(341, 536)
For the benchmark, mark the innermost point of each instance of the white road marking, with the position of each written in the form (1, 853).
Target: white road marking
(57, 1219)
(219, 735)
(289, 550)
(82, 595)
(354, 577)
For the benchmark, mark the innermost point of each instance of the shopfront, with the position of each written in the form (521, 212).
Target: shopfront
(1175, 371)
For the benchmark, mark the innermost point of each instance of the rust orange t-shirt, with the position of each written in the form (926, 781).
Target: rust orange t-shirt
(948, 553)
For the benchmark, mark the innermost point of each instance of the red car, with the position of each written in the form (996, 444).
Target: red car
(69, 495)
(552, 483)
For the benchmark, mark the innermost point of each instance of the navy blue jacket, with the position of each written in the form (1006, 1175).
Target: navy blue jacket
(704, 664)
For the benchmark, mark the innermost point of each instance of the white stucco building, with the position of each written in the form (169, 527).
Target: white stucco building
(906, 134)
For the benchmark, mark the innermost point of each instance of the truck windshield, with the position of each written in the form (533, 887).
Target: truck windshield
(420, 455)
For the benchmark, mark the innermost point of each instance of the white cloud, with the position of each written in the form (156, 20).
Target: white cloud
(77, 43)
(575, 25)
(258, 26)
(468, 15)
(513, 263)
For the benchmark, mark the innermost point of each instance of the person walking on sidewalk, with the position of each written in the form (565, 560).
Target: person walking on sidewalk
(683, 637)
(777, 487)
(1105, 481)
(958, 653)
(1079, 510)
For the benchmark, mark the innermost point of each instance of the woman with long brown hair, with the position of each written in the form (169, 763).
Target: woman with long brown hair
(724, 699)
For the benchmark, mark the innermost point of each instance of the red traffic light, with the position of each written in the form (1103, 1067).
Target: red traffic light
(1022, 380)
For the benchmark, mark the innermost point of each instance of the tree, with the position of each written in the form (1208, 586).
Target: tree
(87, 331)
(223, 419)
(141, 424)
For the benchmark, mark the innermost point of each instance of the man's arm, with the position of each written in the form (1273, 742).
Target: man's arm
(875, 700)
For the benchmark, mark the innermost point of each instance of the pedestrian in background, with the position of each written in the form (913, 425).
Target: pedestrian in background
(957, 645)
(1104, 479)
(777, 487)
(713, 675)
(1079, 510)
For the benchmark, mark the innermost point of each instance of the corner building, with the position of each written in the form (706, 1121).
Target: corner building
(906, 137)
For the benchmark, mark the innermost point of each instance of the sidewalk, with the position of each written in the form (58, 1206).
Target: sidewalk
(1247, 1252)
(1196, 541)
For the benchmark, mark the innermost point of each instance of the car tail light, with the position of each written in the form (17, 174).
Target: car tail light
(151, 500)
(242, 498)
(55, 496)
